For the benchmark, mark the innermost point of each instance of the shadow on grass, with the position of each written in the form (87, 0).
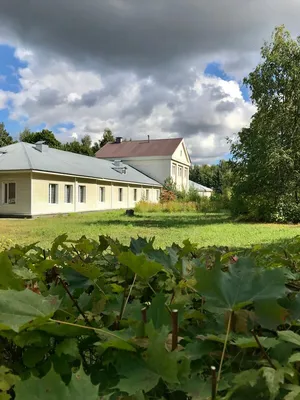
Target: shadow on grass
(163, 220)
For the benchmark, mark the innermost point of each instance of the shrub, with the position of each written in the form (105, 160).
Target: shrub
(93, 319)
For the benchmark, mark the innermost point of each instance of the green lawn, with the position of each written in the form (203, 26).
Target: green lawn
(209, 229)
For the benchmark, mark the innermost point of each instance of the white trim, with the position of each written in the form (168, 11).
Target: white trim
(97, 179)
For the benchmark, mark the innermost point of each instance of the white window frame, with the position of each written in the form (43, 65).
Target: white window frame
(180, 170)
(134, 194)
(56, 193)
(147, 195)
(66, 194)
(120, 194)
(7, 203)
(157, 194)
(174, 170)
(102, 194)
(82, 201)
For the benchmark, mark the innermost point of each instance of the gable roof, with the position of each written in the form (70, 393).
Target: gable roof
(139, 148)
(25, 156)
(199, 187)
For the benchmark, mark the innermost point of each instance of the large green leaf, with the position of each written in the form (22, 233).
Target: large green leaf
(241, 285)
(137, 376)
(158, 312)
(8, 280)
(51, 387)
(273, 379)
(289, 336)
(7, 379)
(69, 347)
(139, 264)
(17, 309)
(158, 359)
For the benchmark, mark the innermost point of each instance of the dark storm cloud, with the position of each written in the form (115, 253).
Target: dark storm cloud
(142, 34)
(49, 98)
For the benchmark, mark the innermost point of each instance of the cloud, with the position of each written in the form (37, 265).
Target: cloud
(137, 66)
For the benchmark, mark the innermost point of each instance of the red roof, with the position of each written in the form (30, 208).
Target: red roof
(139, 148)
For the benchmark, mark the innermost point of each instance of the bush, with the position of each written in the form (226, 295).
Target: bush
(167, 206)
(95, 320)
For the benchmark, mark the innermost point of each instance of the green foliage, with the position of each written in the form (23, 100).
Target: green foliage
(92, 319)
(217, 177)
(5, 138)
(45, 135)
(266, 156)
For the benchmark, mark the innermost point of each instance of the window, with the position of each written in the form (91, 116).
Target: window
(147, 194)
(9, 193)
(120, 194)
(134, 194)
(187, 174)
(102, 194)
(180, 172)
(180, 153)
(81, 194)
(174, 169)
(53, 193)
(157, 195)
(68, 194)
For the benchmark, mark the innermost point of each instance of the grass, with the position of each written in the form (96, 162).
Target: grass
(209, 229)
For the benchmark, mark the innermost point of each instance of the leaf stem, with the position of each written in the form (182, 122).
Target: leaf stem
(127, 298)
(91, 328)
(264, 353)
(224, 348)
(75, 302)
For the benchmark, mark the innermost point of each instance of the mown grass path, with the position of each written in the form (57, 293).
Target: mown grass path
(204, 229)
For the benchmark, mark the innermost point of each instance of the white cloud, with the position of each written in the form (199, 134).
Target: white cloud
(205, 111)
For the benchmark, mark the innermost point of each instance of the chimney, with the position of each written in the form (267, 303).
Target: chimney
(119, 139)
(41, 146)
(148, 138)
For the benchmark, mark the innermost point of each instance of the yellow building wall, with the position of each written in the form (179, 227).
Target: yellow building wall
(40, 194)
(23, 194)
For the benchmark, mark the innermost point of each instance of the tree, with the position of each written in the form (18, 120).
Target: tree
(108, 137)
(266, 156)
(45, 135)
(5, 138)
(217, 177)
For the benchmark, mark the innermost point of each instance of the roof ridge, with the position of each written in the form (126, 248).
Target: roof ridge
(27, 156)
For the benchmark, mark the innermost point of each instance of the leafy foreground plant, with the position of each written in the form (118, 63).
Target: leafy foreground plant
(91, 320)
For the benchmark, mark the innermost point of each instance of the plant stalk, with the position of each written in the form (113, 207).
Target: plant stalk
(75, 302)
(224, 348)
(213, 383)
(144, 315)
(91, 328)
(174, 329)
(264, 353)
(126, 300)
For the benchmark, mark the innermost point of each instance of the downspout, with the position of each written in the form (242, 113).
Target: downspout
(31, 194)
(111, 196)
(75, 195)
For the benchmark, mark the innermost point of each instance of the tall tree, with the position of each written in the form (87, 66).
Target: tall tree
(45, 135)
(217, 177)
(108, 137)
(5, 138)
(266, 157)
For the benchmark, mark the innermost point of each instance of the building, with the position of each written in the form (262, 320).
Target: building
(37, 180)
(157, 158)
(202, 190)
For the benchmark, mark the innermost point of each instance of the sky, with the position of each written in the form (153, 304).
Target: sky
(164, 68)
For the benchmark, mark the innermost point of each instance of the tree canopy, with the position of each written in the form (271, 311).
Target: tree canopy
(266, 156)
(5, 138)
(217, 177)
(85, 146)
